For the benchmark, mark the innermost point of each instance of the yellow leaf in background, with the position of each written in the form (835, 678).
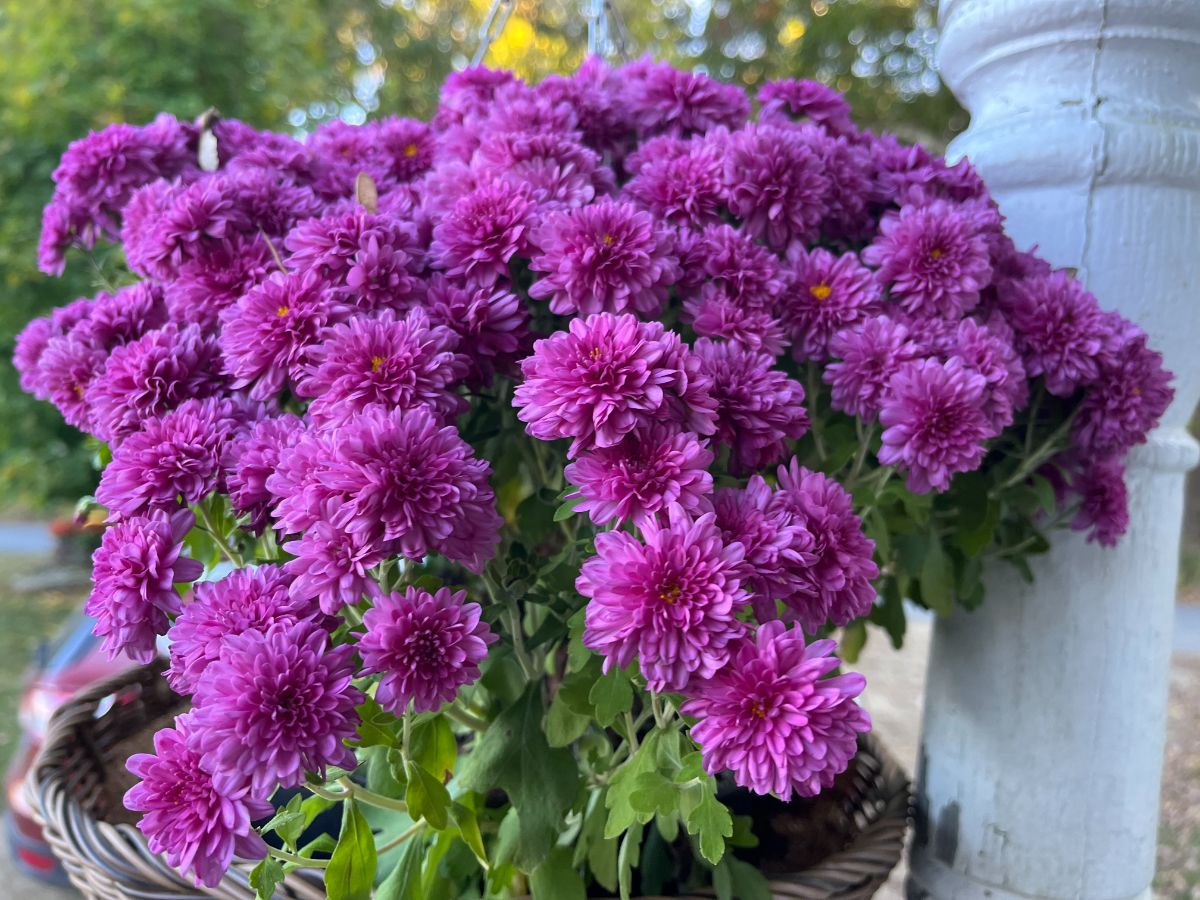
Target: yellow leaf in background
(793, 30)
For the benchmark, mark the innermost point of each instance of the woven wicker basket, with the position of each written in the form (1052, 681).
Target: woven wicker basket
(76, 784)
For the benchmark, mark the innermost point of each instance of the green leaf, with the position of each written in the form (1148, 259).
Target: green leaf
(937, 579)
(385, 770)
(743, 833)
(710, 821)
(565, 511)
(578, 655)
(288, 822)
(563, 724)
(404, 881)
(1044, 489)
(540, 781)
(265, 877)
(618, 798)
(427, 797)
(601, 850)
(652, 793)
(433, 747)
(627, 859)
(351, 871)
(557, 878)
(612, 696)
(889, 612)
(854, 638)
(468, 829)
(740, 880)
(691, 768)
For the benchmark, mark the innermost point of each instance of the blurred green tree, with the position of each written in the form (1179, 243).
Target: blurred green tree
(77, 65)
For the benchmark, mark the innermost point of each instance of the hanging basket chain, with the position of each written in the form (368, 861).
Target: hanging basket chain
(605, 28)
(492, 27)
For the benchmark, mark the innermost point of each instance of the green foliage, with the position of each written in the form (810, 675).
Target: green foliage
(350, 874)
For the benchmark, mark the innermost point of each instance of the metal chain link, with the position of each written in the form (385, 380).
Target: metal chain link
(492, 27)
(605, 28)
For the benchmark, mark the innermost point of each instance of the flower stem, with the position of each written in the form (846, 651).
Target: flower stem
(513, 615)
(812, 391)
(401, 838)
(323, 792)
(863, 447)
(206, 520)
(306, 861)
(370, 797)
(633, 741)
(462, 717)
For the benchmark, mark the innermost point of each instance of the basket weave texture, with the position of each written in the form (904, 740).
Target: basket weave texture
(76, 784)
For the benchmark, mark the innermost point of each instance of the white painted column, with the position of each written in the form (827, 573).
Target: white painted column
(1045, 710)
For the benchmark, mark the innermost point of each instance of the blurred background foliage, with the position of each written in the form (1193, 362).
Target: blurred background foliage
(75, 65)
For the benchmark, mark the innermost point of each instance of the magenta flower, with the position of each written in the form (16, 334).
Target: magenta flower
(642, 476)
(30, 344)
(870, 355)
(266, 336)
(197, 827)
(605, 376)
(274, 704)
(671, 601)
(195, 220)
(333, 566)
(1104, 506)
(125, 316)
(483, 231)
(830, 293)
(776, 182)
(134, 573)
(1129, 396)
(664, 99)
(759, 409)
(426, 646)
(988, 350)
(605, 257)
(747, 272)
(211, 283)
(790, 100)
(555, 168)
(245, 599)
(491, 322)
(685, 189)
(934, 423)
(398, 362)
(406, 147)
(250, 458)
(714, 313)
(66, 368)
(773, 719)
(932, 258)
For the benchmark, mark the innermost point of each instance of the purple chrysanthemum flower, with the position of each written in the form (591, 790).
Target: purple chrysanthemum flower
(151, 376)
(174, 457)
(30, 344)
(470, 92)
(266, 336)
(747, 272)
(839, 578)
(685, 189)
(426, 646)
(492, 322)
(605, 376)
(1129, 396)
(759, 409)
(119, 318)
(932, 258)
(215, 281)
(606, 257)
(134, 573)
(593, 92)
(1104, 507)
(66, 369)
(714, 313)
(870, 354)
(250, 458)
(399, 480)
(671, 601)
(830, 293)
(665, 100)
(640, 477)
(483, 231)
(934, 422)
(1060, 329)
(776, 182)
(333, 566)
(556, 169)
(791, 100)
(398, 362)
(987, 350)
(194, 221)
(245, 599)
(406, 146)
(772, 717)
(274, 704)
(198, 828)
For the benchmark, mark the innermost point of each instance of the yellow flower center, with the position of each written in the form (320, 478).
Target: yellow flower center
(670, 595)
(936, 252)
(376, 363)
(1137, 391)
(595, 353)
(282, 311)
(79, 391)
(411, 150)
(820, 292)
(757, 709)
(608, 240)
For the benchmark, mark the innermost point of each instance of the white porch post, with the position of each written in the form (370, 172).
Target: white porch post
(1045, 710)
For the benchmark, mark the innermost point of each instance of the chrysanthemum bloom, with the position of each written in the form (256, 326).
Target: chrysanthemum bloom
(779, 550)
(1126, 401)
(671, 601)
(849, 218)
(685, 189)
(776, 182)
(1060, 329)
(398, 479)
(932, 259)
(934, 422)
(491, 322)
(518, 107)
(250, 458)
(339, 152)
(904, 172)
(198, 828)
(197, 220)
(839, 578)
(483, 231)
(65, 370)
(869, 354)
(773, 719)
(244, 599)
(744, 270)
(759, 409)
(211, 283)
(273, 705)
(134, 573)
(398, 362)
(406, 146)
(1104, 507)
(640, 477)
(426, 646)
(713, 313)
(986, 349)
(269, 200)
(829, 293)
(369, 261)
(242, 147)
(333, 566)
(664, 99)
(125, 316)
(469, 92)
(151, 376)
(605, 376)
(174, 457)
(556, 168)
(791, 100)
(28, 349)
(593, 92)
(605, 257)
(267, 334)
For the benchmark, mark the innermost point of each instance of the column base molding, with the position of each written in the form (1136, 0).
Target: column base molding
(931, 879)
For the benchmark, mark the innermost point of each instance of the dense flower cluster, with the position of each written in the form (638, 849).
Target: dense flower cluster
(364, 359)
